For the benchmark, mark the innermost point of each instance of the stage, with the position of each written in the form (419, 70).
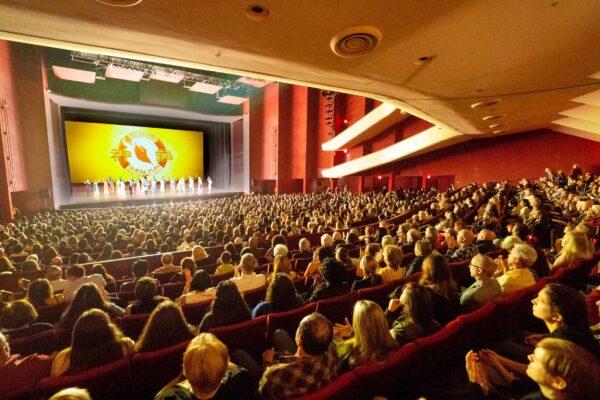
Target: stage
(79, 198)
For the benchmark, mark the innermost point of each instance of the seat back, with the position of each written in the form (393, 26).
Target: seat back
(42, 343)
(460, 272)
(110, 381)
(133, 325)
(254, 296)
(443, 347)
(154, 369)
(164, 277)
(215, 279)
(288, 320)
(195, 312)
(477, 323)
(249, 336)
(378, 294)
(173, 290)
(51, 314)
(338, 308)
(300, 264)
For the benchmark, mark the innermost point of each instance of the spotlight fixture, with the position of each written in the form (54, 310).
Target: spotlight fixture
(493, 117)
(485, 103)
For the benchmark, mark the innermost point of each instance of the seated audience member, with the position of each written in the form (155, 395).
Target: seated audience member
(431, 235)
(275, 240)
(484, 288)
(226, 265)
(485, 241)
(423, 248)
(40, 293)
(412, 236)
(87, 297)
(540, 268)
(188, 268)
(106, 253)
(17, 319)
(516, 274)
(342, 255)
(139, 269)
(304, 247)
(167, 266)
(463, 249)
(227, 308)
(54, 276)
(334, 275)
(6, 266)
(444, 294)
(313, 365)
(30, 265)
(199, 290)
(410, 316)
(248, 279)
(19, 374)
(72, 393)
(371, 342)
(283, 265)
(279, 251)
(559, 369)
(392, 256)
(165, 327)
(281, 296)
(575, 246)
(99, 269)
(316, 265)
(146, 298)
(96, 341)
(77, 278)
(337, 238)
(371, 278)
(18, 254)
(201, 257)
(208, 374)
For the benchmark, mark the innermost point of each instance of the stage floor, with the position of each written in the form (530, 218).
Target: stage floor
(79, 199)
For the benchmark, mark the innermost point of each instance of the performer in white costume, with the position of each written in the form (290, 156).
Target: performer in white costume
(181, 185)
(162, 184)
(200, 184)
(191, 184)
(209, 182)
(96, 189)
(153, 186)
(105, 187)
(172, 184)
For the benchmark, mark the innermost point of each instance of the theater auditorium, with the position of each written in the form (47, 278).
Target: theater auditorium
(262, 199)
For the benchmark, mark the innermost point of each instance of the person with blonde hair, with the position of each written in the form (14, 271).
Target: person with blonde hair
(248, 279)
(167, 265)
(208, 374)
(283, 265)
(72, 393)
(392, 256)
(372, 340)
(423, 248)
(371, 278)
(575, 246)
(201, 257)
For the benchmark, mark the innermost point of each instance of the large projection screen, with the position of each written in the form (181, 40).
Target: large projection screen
(100, 151)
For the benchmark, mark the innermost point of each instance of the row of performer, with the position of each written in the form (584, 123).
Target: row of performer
(147, 185)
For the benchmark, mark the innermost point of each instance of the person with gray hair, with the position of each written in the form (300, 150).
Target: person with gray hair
(326, 240)
(484, 288)
(412, 236)
(304, 247)
(280, 250)
(516, 274)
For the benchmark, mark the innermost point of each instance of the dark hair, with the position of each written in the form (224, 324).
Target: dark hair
(228, 307)
(95, 341)
(278, 239)
(437, 275)
(139, 268)
(189, 263)
(99, 269)
(39, 291)
(281, 293)
(166, 326)
(521, 230)
(201, 281)
(418, 305)
(6, 265)
(74, 258)
(569, 303)
(86, 297)
(17, 314)
(334, 271)
(325, 252)
(226, 257)
(76, 271)
(145, 289)
(315, 332)
(84, 258)
(30, 266)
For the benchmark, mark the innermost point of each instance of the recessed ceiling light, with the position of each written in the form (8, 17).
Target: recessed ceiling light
(356, 41)
(493, 117)
(257, 12)
(485, 103)
(119, 3)
(499, 131)
(496, 126)
(423, 60)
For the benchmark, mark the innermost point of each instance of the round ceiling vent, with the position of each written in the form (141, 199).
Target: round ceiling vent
(485, 103)
(256, 12)
(119, 3)
(493, 117)
(356, 41)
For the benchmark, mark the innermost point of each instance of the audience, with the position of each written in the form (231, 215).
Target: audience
(444, 294)
(226, 265)
(139, 269)
(167, 265)
(248, 279)
(40, 294)
(165, 327)
(463, 248)
(484, 288)
(423, 248)
(199, 290)
(146, 298)
(77, 278)
(227, 308)
(516, 273)
(18, 319)
(392, 256)
(368, 266)
(86, 298)
(281, 296)
(333, 285)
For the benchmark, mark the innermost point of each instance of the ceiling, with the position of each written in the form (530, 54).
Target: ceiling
(533, 55)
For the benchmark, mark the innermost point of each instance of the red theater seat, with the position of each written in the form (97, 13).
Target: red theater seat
(378, 294)
(442, 347)
(300, 264)
(51, 314)
(477, 324)
(133, 325)
(249, 336)
(154, 369)
(173, 290)
(338, 308)
(43, 343)
(195, 312)
(288, 320)
(164, 278)
(254, 296)
(215, 279)
(110, 381)
(342, 388)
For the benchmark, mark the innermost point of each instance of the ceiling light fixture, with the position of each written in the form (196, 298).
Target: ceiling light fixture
(257, 12)
(496, 126)
(485, 103)
(356, 41)
(119, 3)
(493, 117)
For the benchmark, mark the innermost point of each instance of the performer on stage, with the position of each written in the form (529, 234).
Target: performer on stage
(209, 182)
(131, 186)
(138, 186)
(162, 184)
(200, 188)
(191, 184)
(105, 187)
(96, 189)
(181, 185)
(88, 187)
(172, 184)
(153, 185)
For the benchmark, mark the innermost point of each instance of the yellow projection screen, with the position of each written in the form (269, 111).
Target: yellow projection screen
(101, 151)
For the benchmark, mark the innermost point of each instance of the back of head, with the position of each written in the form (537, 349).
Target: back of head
(315, 334)
(30, 265)
(145, 289)
(166, 326)
(485, 234)
(53, 273)
(368, 264)
(39, 291)
(334, 272)
(326, 240)
(75, 271)
(423, 248)
(167, 259)
(17, 314)
(485, 263)
(371, 332)
(435, 270)
(204, 363)
(392, 255)
(140, 268)
(72, 393)
(280, 250)
(226, 257)
(418, 304)
(282, 264)
(201, 281)
(248, 263)
(525, 253)
(509, 241)
(325, 252)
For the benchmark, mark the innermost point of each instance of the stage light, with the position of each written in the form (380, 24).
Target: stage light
(257, 83)
(345, 151)
(204, 87)
(75, 75)
(165, 76)
(125, 74)
(379, 177)
(345, 121)
(428, 176)
(232, 100)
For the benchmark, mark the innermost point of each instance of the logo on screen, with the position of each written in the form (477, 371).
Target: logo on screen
(141, 152)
